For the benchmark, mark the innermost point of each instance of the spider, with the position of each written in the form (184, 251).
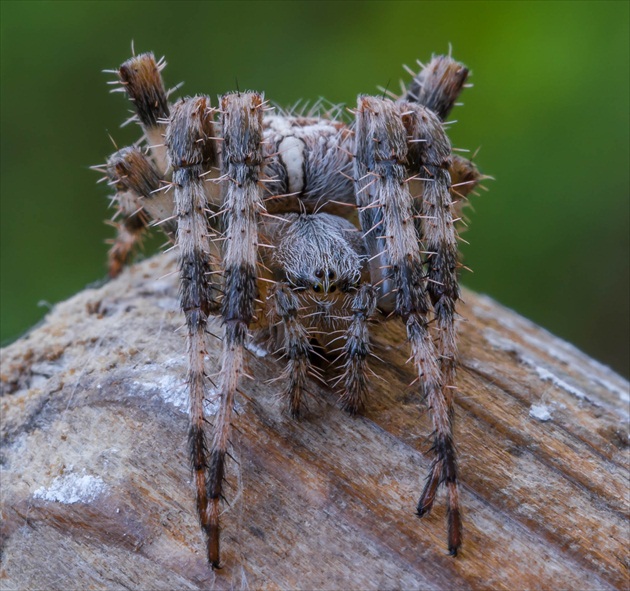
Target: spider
(307, 226)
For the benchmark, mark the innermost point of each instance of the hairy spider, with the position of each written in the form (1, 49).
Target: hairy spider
(262, 207)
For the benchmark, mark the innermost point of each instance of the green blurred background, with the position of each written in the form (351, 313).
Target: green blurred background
(549, 108)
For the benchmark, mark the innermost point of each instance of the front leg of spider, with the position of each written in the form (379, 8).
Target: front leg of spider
(384, 165)
(429, 152)
(192, 153)
(242, 159)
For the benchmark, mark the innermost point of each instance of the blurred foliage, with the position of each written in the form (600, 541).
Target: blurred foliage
(549, 106)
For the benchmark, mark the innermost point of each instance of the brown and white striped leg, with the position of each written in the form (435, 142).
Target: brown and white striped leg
(436, 87)
(357, 350)
(191, 153)
(430, 152)
(295, 344)
(382, 159)
(432, 155)
(242, 159)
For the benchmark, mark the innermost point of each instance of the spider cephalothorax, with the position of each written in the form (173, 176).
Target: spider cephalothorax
(307, 225)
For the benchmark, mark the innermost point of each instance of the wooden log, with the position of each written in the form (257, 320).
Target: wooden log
(96, 489)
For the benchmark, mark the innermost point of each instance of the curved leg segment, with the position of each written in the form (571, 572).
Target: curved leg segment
(135, 179)
(438, 85)
(140, 77)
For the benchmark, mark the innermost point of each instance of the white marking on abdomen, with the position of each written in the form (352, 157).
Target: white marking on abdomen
(291, 151)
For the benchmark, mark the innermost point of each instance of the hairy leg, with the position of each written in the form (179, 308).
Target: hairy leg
(430, 152)
(384, 154)
(437, 85)
(141, 79)
(357, 350)
(295, 345)
(133, 176)
(191, 153)
(241, 168)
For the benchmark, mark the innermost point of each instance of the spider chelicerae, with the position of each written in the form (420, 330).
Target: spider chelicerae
(309, 227)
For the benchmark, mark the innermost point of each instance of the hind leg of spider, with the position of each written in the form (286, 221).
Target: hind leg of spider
(140, 79)
(138, 177)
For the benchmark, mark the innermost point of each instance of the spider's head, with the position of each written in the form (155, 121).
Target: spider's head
(321, 254)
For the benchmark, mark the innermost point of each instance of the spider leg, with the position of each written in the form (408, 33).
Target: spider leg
(242, 159)
(134, 176)
(438, 229)
(437, 85)
(140, 77)
(387, 216)
(465, 178)
(449, 180)
(137, 183)
(357, 349)
(130, 177)
(191, 153)
(432, 154)
(296, 345)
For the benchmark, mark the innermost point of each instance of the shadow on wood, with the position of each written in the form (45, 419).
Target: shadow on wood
(96, 489)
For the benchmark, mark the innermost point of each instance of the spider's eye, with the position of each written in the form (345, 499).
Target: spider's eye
(331, 274)
(332, 288)
(317, 287)
(319, 273)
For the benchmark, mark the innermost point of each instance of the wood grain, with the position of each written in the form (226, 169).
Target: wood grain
(96, 489)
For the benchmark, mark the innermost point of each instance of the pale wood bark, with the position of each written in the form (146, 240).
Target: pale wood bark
(96, 489)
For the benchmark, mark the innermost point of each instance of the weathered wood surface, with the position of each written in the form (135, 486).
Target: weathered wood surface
(96, 490)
